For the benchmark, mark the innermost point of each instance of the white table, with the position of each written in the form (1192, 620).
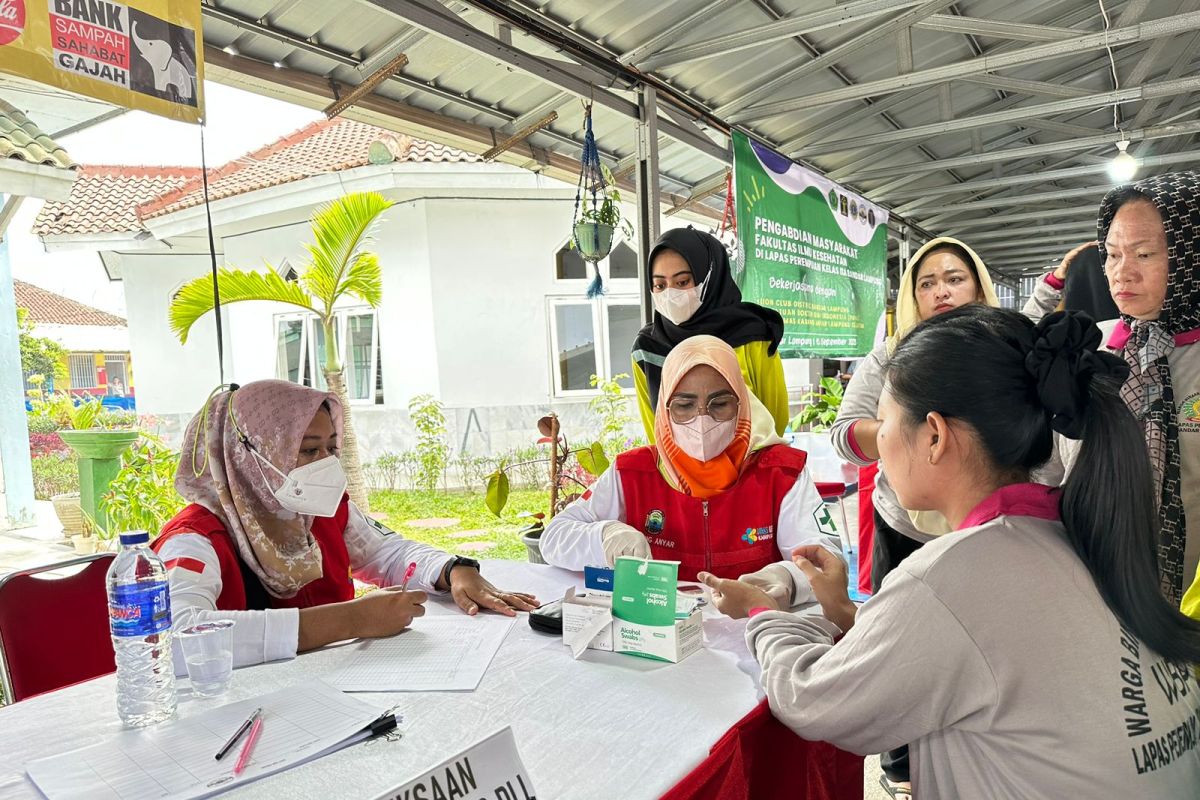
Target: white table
(606, 726)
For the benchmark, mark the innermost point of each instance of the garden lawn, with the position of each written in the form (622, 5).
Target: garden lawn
(397, 509)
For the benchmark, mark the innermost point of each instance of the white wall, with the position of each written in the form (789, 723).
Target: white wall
(408, 338)
(492, 265)
(86, 338)
(170, 378)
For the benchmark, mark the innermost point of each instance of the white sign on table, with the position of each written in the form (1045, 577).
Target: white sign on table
(489, 770)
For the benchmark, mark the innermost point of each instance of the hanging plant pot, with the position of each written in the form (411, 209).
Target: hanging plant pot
(594, 240)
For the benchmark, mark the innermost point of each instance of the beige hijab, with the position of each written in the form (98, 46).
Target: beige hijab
(908, 316)
(218, 471)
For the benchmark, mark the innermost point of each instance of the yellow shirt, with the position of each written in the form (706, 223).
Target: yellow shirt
(764, 378)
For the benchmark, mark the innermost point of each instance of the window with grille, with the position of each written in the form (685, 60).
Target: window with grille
(82, 367)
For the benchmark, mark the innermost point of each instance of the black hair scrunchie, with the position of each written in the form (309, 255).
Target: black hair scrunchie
(1064, 359)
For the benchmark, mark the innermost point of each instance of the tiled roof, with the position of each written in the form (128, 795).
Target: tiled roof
(48, 308)
(321, 147)
(22, 140)
(104, 199)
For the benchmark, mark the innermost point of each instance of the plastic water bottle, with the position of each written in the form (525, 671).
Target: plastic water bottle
(139, 613)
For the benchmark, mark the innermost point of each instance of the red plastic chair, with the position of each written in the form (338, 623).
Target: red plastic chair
(54, 631)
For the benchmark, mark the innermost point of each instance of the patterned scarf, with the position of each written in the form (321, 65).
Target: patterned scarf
(1148, 391)
(218, 471)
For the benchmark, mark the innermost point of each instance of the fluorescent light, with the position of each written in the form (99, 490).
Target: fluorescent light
(1123, 166)
(231, 49)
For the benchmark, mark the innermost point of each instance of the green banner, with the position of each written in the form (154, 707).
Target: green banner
(812, 251)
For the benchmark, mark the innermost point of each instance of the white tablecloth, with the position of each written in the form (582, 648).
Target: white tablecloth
(606, 726)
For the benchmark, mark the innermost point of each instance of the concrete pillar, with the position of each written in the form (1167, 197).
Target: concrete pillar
(14, 430)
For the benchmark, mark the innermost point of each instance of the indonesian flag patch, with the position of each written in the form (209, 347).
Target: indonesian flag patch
(190, 564)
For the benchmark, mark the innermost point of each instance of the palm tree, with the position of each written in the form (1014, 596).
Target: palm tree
(339, 265)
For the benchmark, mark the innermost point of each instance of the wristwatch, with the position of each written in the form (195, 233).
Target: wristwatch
(457, 561)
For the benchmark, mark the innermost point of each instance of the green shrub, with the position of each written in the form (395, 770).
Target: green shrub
(55, 473)
(39, 423)
(432, 451)
(143, 496)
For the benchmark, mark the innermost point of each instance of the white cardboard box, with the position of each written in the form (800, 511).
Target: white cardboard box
(671, 643)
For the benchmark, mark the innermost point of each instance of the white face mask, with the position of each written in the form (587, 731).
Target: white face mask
(314, 489)
(703, 438)
(679, 305)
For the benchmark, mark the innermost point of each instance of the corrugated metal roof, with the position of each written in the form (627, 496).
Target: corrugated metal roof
(1010, 94)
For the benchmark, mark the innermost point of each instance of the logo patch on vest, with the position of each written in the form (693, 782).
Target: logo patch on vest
(756, 535)
(654, 522)
(1189, 414)
(824, 520)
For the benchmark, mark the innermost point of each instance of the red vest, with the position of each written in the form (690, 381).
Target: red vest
(241, 589)
(730, 534)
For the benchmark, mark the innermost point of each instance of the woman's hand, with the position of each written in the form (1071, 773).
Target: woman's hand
(736, 598)
(471, 591)
(382, 612)
(385, 611)
(826, 574)
(1061, 271)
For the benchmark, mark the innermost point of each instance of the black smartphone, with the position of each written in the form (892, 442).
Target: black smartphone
(547, 618)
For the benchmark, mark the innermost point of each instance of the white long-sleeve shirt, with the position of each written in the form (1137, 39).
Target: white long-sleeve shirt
(259, 636)
(574, 538)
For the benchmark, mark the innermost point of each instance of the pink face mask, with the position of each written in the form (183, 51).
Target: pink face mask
(703, 438)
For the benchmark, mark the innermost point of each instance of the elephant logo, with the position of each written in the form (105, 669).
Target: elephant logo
(169, 73)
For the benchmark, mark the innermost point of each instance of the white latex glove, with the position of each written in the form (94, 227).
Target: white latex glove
(619, 539)
(776, 580)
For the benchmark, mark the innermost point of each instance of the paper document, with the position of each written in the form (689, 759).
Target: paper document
(439, 653)
(176, 760)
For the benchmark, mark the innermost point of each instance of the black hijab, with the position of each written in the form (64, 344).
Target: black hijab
(1086, 287)
(722, 312)
(1149, 391)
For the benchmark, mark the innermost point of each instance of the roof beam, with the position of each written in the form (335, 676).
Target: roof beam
(942, 213)
(1020, 86)
(975, 186)
(1034, 234)
(1031, 113)
(433, 17)
(1000, 156)
(1155, 29)
(774, 31)
(367, 86)
(996, 29)
(830, 57)
(1079, 212)
(654, 43)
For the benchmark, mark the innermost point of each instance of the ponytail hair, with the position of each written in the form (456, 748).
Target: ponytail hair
(1015, 385)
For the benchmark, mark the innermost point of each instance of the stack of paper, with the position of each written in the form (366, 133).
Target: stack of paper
(176, 760)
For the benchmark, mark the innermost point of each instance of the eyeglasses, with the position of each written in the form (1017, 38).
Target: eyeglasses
(721, 407)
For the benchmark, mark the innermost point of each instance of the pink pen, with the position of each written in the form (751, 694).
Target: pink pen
(408, 573)
(251, 738)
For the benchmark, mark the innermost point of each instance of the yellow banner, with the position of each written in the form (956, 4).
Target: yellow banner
(145, 54)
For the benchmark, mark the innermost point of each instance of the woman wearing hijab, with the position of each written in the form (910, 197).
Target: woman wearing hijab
(718, 489)
(1028, 653)
(693, 292)
(1149, 235)
(943, 275)
(271, 540)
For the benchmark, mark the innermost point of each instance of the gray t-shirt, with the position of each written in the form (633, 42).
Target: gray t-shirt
(992, 654)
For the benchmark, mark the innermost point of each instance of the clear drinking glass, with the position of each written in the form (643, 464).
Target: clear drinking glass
(208, 651)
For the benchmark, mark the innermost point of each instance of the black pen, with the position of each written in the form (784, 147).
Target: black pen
(240, 732)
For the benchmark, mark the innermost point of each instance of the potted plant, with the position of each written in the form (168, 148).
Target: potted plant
(99, 452)
(565, 488)
(822, 407)
(593, 233)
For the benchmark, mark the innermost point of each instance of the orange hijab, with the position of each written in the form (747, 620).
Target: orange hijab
(702, 479)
